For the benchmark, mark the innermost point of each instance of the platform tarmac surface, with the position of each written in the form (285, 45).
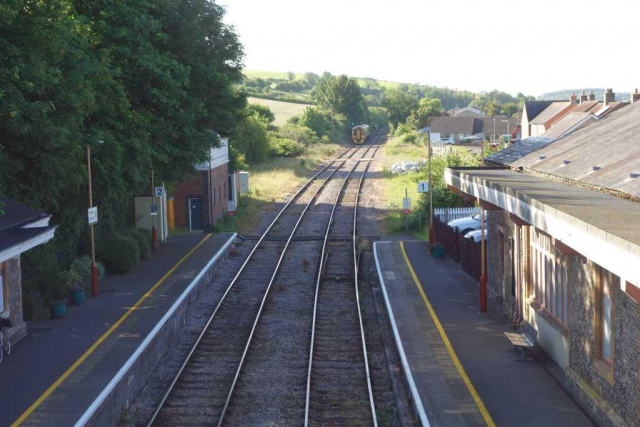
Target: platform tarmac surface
(478, 380)
(53, 346)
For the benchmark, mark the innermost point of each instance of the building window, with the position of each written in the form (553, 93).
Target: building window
(213, 195)
(3, 288)
(224, 186)
(219, 193)
(550, 276)
(605, 281)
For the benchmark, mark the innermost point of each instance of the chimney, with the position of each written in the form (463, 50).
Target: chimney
(584, 97)
(609, 97)
(573, 100)
(592, 96)
(635, 96)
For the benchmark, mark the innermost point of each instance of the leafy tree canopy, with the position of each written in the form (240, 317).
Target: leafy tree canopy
(341, 95)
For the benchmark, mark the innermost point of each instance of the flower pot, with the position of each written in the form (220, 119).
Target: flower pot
(58, 310)
(438, 252)
(77, 297)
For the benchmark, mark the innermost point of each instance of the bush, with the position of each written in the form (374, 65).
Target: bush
(82, 266)
(119, 252)
(286, 147)
(144, 239)
(300, 134)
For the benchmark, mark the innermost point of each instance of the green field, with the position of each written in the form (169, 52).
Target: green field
(282, 110)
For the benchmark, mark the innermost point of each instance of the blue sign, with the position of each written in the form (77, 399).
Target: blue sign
(154, 210)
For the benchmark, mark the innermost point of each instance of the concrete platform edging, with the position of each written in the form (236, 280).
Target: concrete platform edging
(107, 408)
(419, 408)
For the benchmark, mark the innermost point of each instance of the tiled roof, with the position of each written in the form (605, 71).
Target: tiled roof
(567, 124)
(16, 214)
(604, 154)
(533, 108)
(456, 125)
(549, 113)
(516, 151)
(587, 106)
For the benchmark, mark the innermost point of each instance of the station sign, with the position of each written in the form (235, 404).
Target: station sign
(92, 214)
(154, 210)
(406, 205)
(423, 186)
(159, 191)
(231, 207)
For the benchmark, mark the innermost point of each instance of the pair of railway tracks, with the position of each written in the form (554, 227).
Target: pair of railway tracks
(257, 343)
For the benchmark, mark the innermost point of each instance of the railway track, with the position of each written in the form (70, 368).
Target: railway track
(257, 337)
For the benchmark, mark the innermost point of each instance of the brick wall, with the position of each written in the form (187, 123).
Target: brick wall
(196, 188)
(14, 281)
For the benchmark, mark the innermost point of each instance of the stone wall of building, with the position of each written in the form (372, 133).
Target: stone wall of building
(14, 282)
(499, 286)
(609, 397)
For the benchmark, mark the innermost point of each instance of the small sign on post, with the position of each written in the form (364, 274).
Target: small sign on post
(154, 210)
(423, 186)
(93, 215)
(406, 205)
(231, 207)
(159, 191)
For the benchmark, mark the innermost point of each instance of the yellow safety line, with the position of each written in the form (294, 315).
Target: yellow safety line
(100, 340)
(447, 344)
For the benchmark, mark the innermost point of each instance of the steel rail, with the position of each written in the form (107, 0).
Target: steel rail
(323, 259)
(215, 311)
(266, 294)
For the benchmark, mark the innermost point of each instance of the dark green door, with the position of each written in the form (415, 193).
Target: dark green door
(196, 214)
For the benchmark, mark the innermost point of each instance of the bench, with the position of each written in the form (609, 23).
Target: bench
(521, 341)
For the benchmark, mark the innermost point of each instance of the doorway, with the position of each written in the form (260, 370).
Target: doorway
(196, 214)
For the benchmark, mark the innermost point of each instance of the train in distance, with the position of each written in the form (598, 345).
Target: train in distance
(359, 134)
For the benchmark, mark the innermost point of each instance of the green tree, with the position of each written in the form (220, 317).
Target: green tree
(311, 79)
(291, 76)
(399, 105)
(250, 139)
(341, 95)
(322, 122)
(428, 107)
(263, 111)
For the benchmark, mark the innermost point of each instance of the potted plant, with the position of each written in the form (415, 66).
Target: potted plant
(438, 250)
(73, 282)
(58, 300)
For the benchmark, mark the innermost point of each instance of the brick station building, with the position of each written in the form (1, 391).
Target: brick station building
(563, 248)
(21, 229)
(200, 201)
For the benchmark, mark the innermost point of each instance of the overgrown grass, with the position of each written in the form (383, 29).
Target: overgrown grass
(396, 186)
(272, 180)
(282, 110)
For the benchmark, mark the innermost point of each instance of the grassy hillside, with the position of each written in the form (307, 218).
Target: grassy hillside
(282, 110)
(257, 74)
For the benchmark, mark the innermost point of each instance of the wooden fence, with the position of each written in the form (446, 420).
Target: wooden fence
(464, 251)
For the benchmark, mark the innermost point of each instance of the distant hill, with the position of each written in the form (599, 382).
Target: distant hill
(566, 93)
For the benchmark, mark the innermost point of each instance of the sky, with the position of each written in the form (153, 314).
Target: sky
(528, 46)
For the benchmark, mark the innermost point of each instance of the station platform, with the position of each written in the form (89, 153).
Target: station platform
(460, 367)
(55, 373)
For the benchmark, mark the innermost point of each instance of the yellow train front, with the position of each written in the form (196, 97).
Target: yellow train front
(359, 134)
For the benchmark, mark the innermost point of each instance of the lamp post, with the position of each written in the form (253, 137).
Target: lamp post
(154, 230)
(94, 269)
(431, 231)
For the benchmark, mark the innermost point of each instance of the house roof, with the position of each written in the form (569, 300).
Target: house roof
(456, 111)
(604, 154)
(587, 106)
(520, 149)
(453, 125)
(533, 108)
(17, 215)
(22, 228)
(568, 123)
(550, 112)
(501, 127)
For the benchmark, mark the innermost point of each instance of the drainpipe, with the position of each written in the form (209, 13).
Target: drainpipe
(483, 276)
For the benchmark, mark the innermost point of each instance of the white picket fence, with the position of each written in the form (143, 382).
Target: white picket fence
(449, 214)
